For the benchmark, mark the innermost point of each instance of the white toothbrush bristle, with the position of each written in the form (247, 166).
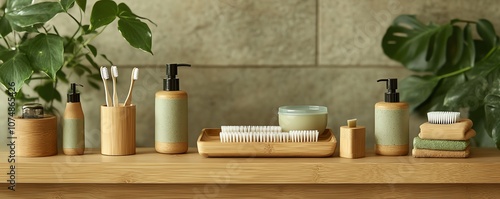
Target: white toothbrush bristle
(136, 73)
(443, 117)
(114, 71)
(104, 72)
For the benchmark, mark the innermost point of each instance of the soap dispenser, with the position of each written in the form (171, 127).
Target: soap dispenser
(391, 122)
(171, 114)
(73, 124)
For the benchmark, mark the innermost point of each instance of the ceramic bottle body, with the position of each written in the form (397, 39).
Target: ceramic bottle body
(73, 129)
(391, 128)
(171, 122)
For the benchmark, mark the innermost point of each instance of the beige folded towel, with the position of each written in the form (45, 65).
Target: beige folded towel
(456, 131)
(462, 126)
(447, 136)
(427, 153)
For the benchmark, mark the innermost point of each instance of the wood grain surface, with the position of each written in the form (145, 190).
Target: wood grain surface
(147, 166)
(294, 191)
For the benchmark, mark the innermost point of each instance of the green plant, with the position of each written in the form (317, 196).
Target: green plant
(461, 72)
(34, 50)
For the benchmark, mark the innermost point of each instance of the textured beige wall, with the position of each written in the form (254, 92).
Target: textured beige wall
(250, 57)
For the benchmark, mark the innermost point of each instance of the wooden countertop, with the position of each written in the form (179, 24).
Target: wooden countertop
(147, 166)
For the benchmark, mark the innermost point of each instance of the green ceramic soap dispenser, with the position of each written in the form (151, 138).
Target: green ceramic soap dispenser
(73, 124)
(391, 122)
(171, 114)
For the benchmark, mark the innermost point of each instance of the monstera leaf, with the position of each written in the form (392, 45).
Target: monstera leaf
(462, 70)
(487, 32)
(417, 46)
(417, 89)
(492, 113)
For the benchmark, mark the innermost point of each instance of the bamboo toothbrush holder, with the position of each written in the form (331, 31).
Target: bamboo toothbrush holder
(36, 137)
(118, 130)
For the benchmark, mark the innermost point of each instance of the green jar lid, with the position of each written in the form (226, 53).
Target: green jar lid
(302, 110)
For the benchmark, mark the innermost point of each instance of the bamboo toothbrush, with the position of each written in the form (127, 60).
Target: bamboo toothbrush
(114, 75)
(105, 77)
(133, 77)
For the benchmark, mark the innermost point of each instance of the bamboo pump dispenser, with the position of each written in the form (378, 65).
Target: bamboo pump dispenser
(171, 115)
(391, 122)
(73, 124)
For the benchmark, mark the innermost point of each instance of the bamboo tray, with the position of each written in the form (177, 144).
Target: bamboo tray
(209, 145)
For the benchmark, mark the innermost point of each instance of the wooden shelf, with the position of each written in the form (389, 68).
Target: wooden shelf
(147, 166)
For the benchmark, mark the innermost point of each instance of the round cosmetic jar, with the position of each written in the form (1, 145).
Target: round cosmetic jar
(303, 117)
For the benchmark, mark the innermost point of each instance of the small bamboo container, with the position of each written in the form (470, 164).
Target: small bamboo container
(352, 140)
(36, 137)
(118, 130)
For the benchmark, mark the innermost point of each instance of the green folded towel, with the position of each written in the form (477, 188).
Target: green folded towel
(445, 145)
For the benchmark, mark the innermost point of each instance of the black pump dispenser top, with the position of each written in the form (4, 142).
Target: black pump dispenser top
(171, 83)
(391, 84)
(74, 96)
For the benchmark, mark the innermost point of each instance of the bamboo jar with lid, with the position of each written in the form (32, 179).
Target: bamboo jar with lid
(36, 137)
(352, 140)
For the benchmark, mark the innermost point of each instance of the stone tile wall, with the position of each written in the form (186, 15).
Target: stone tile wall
(250, 57)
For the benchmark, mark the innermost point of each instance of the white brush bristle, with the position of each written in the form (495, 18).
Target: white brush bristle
(135, 73)
(104, 73)
(246, 129)
(265, 134)
(304, 135)
(114, 71)
(443, 117)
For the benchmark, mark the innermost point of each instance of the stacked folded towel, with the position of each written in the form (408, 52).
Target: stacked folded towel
(444, 140)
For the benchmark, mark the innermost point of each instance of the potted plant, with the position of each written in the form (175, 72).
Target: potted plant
(32, 49)
(458, 70)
